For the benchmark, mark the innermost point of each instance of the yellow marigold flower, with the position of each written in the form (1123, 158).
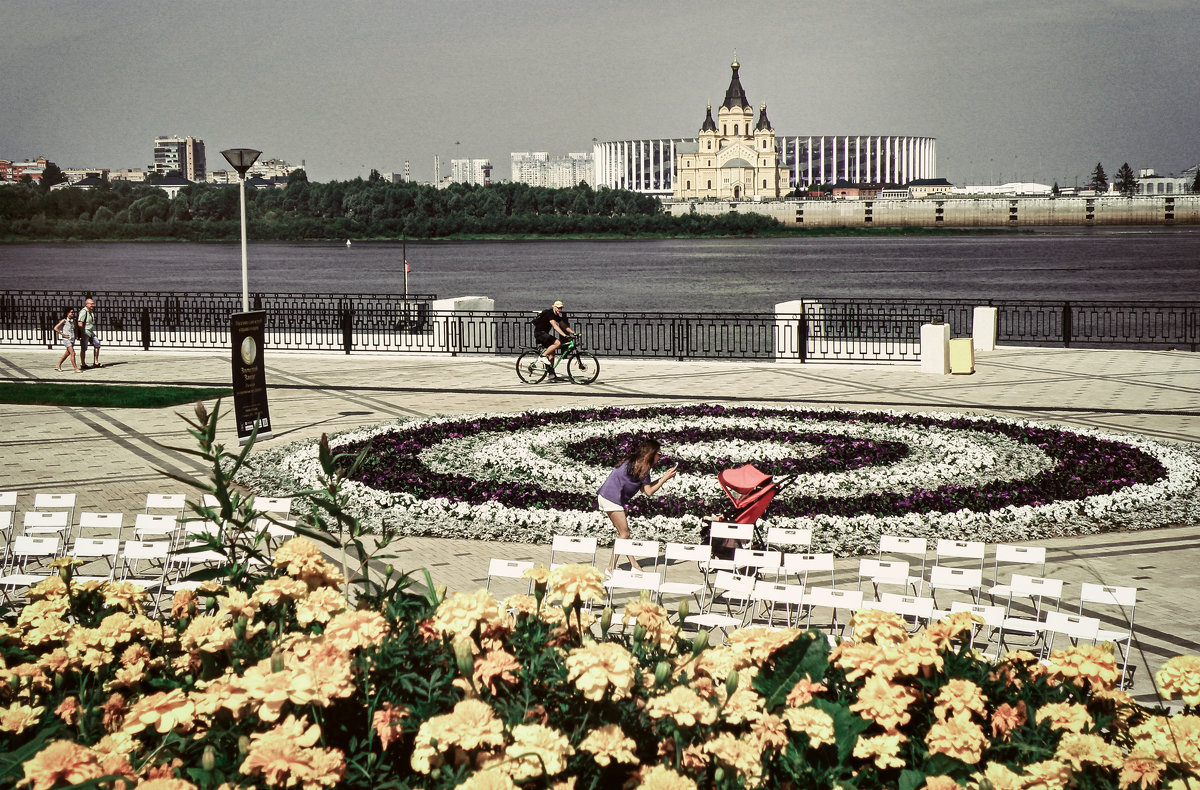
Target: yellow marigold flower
(488, 779)
(610, 744)
(1007, 717)
(1140, 772)
(883, 750)
(356, 629)
(286, 756)
(496, 667)
(958, 737)
(1174, 740)
(684, 706)
(1067, 716)
(540, 574)
(207, 633)
(597, 667)
(320, 605)
(660, 777)
(52, 587)
(769, 732)
(16, 718)
(718, 662)
(746, 704)
(164, 711)
(460, 614)
(654, 619)
(301, 559)
(1091, 665)
(125, 595)
(1076, 749)
(739, 754)
(759, 643)
(959, 696)
(183, 604)
(325, 674)
(283, 588)
(236, 603)
(470, 726)
(884, 702)
(1180, 676)
(917, 656)
(803, 692)
(878, 628)
(537, 750)
(67, 710)
(998, 776)
(858, 659)
(521, 604)
(1047, 775)
(59, 661)
(386, 722)
(940, 782)
(61, 762)
(813, 722)
(574, 583)
(956, 625)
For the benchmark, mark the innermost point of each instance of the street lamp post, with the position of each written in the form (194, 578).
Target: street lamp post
(242, 159)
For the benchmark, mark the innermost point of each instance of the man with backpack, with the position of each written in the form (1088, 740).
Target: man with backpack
(549, 328)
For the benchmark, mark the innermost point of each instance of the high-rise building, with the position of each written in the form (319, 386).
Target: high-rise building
(182, 154)
(471, 171)
(539, 169)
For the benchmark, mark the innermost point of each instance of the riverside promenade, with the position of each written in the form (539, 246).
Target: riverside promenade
(108, 457)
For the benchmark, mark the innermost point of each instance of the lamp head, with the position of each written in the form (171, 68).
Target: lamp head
(242, 159)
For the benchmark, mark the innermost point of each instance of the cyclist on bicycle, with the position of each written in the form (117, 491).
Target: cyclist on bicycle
(549, 328)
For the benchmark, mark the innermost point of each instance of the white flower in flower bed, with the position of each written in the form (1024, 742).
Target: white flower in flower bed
(519, 476)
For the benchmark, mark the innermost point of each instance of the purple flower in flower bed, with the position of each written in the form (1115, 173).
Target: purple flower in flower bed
(1083, 466)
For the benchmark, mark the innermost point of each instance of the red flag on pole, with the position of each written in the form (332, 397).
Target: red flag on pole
(406, 269)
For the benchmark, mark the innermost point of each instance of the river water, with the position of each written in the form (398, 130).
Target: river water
(674, 275)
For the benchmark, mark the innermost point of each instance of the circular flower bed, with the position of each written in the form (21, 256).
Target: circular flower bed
(851, 474)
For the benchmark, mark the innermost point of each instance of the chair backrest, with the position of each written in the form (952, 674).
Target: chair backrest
(943, 577)
(794, 537)
(54, 502)
(907, 605)
(1072, 625)
(276, 505)
(27, 546)
(210, 500)
(94, 547)
(6, 519)
(91, 520)
(882, 571)
(959, 549)
(734, 585)
(46, 519)
(175, 502)
(153, 524)
(763, 561)
(1038, 588)
(773, 592)
(992, 616)
(201, 527)
(802, 566)
(641, 549)
(729, 530)
(146, 549)
(279, 528)
(8, 500)
(573, 544)
(905, 546)
(687, 552)
(634, 580)
(1018, 554)
(831, 598)
(1124, 597)
(507, 569)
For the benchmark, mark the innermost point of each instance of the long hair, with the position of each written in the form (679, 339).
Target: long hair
(641, 460)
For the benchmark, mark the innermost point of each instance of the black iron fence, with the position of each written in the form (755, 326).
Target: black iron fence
(818, 330)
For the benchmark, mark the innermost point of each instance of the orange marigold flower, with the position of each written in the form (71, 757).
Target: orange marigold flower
(520, 603)
(537, 750)
(1047, 775)
(125, 595)
(813, 722)
(460, 614)
(883, 750)
(320, 605)
(1180, 676)
(114, 712)
(207, 633)
(165, 783)
(654, 619)
(878, 628)
(599, 667)
(660, 777)
(575, 583)
(884, 702)
(957, 737)
(759, 643)
(356, 629)
(1174, 740)
(998, 776)
(769, 732)
(1140, 772)
(52, 587)
(488, 779)
(1067, 716)
(16, 718)
(610, 744)
(744, 705)
(286, 756)
(164, 711)
(183, 604)
(741, 754)
(1006, 717)
(386, 721)
(940, 782)
(803, 692)
(60, 761)
(300, 558)
(236, 603)
(494, 668)
(540, 574)
(954, 626)
(959, 696)
(858, 659)
(283, 588)
(68, 710)
(1085, 665)
(59, 661)
(918, 656)
(471, 726)
(1076, 749)
(684, 706)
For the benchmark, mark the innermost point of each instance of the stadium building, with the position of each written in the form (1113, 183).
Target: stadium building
(652, 166)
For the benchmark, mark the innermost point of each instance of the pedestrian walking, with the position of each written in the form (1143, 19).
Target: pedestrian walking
(86, 321)
(65, 331)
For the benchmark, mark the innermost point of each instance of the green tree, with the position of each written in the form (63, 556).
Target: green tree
(1054, 190)
(297, 176)
(1099, 180)
(374, 177)
(1126, 182)
(1196, 182)
(52, 175)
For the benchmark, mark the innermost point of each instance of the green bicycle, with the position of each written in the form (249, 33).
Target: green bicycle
(582, 366)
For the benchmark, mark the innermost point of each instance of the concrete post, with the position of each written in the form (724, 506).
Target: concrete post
(985, 325)
(789, 320)
(935, 349)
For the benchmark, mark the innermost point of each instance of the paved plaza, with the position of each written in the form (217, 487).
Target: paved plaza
(109, 457)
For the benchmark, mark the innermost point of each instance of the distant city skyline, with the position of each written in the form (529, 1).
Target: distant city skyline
(1023, 91)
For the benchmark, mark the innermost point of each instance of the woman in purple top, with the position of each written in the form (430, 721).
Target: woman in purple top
(624, 482)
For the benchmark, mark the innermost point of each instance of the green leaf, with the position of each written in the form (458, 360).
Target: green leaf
(807, 656)
(911, 779)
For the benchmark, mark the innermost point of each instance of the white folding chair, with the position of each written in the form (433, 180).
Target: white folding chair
(767, 595)
(992, 616)
(275, 505)
(6, 526)
(1011, 555)
(788, 538)
(803, 566)
(877, 572)
(182, 562)
(96, 550)
(915, 552)
(8, 500)
(145, 563)
(963, 580)
(638, 550)
(733, 591)
(1124, 600)
(1075, 627)
(8, 514)
(754, 563)
(147, 526)
(94, 522)
(572, 544)
(55, 502)
(47, 522)
(28, 557)
(175, 503)
(1043, 595)
(698, 553)
(958, 550)
(724, 537)
(915, 608)
(509, 569)
(833, 600)
(277, 530)
(633, 581)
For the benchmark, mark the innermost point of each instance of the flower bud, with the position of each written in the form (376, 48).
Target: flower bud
(639, 632)
(684, 610)
(243, 745)
(439, 591)
(464, 657)
(239, 627)
(661, 672)
(731, 683)
(700, 641)
(208, 760)
(606, 617)
(718, 774)
(201, 412)
(277, 661)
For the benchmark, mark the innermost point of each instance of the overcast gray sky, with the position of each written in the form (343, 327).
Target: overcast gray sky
(1036, 90)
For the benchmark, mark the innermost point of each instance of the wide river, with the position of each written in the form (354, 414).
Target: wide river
(678, 275)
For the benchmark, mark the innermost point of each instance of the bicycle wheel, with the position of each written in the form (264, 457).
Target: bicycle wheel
(529, 369)
(583, 367)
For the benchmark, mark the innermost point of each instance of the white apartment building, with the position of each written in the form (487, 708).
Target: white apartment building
(182, 154)
(471, 171)
(539, 169)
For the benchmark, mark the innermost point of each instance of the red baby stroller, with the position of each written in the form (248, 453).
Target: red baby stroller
(750, 491)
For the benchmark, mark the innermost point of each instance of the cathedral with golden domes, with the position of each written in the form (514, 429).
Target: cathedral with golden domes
(734, 158)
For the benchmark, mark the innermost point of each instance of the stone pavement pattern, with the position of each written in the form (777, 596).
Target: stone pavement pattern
(109, 457)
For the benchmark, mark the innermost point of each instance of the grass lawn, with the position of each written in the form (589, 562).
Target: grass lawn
(105, 395)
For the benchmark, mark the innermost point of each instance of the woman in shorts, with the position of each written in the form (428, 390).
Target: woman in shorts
(624, 482)
(65, 331)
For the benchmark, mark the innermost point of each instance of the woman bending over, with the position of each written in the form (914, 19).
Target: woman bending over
(624, 482)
